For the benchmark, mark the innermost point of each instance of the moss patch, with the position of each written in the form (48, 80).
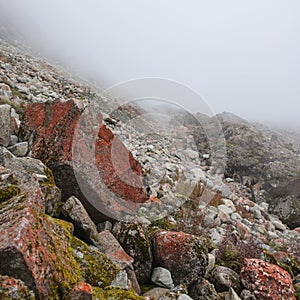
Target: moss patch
(9, 192)
(114, 293)
(96, 268)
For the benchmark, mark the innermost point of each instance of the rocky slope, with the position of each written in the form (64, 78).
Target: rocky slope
(187, 232)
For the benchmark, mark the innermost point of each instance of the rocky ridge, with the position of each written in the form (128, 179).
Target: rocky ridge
(193, 235)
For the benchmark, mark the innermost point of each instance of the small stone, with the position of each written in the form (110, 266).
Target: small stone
(279, 225)
(224, 278)
(104, 226)
(184, 297)
(19, 149)
(162, 277)
(232, 295)
(211, 263)
(121, 280)
(13, 140)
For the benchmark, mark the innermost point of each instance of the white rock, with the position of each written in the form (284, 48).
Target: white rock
(19, 149)
(121, 280)
(279, 225)
(162, 277)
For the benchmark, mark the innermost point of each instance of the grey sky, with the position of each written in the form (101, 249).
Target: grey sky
(241, 56)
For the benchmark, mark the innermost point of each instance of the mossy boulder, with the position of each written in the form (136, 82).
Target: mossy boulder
(184, 255)
(95, 267)
(134, 240)
(35, 248)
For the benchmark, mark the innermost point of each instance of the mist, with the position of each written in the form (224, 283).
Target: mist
(240, 56)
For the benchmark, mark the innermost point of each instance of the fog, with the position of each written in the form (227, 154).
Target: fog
(241, 56)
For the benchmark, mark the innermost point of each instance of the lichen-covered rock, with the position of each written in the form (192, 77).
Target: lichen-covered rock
(74, 212)
(81, 291)
(5, 125)
(11, 288)
(184, 255)
(29, 175)
(136, 243)
(95, 267)
(224, 278)
(267, 281)
(52, 125)
(203, 289)
(162, 277)
(114, 293)
(36, 248)
(114, 251)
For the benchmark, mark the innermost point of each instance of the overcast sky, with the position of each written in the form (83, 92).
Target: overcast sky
(241, 56)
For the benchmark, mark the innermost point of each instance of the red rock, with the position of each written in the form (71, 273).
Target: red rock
(54, 125)
(267, 281)
(114, 250)
(81, 291)
(184, 255)
(34, 248)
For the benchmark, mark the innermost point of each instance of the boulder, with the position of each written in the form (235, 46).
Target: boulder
(95, 267)
(134, 240)
(29, 175)
(224, 278)
(162, 277)
(52, 126)
(257, 273)
(36, 248)
(184, 255)
(74, 212)
(203, 289)
(5, 125)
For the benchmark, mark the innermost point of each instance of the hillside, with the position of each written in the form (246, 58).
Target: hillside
(103, 203)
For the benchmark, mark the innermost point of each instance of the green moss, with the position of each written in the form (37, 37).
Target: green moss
(114, 293)
(96, 268)
(9, 192)
(50, 178)
(66, 276)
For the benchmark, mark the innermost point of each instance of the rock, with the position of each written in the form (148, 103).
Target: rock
(19, 149)
(184, 297)
(184, 255)
(81, 291)
(74, 212)
(114, 251)
(211, 263)
(224, 278)
(278, 225)
(203, 289)
(156, 293)
(53, 125)
(95, 267)
(121, 280)
(136, 243)
(256, 273)
(5, 125)
(247, 295)
(34, 247)
(104, 226)
(31, 175)
(13, 140)
(11, 288)
(232, 295)
(162, 277)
